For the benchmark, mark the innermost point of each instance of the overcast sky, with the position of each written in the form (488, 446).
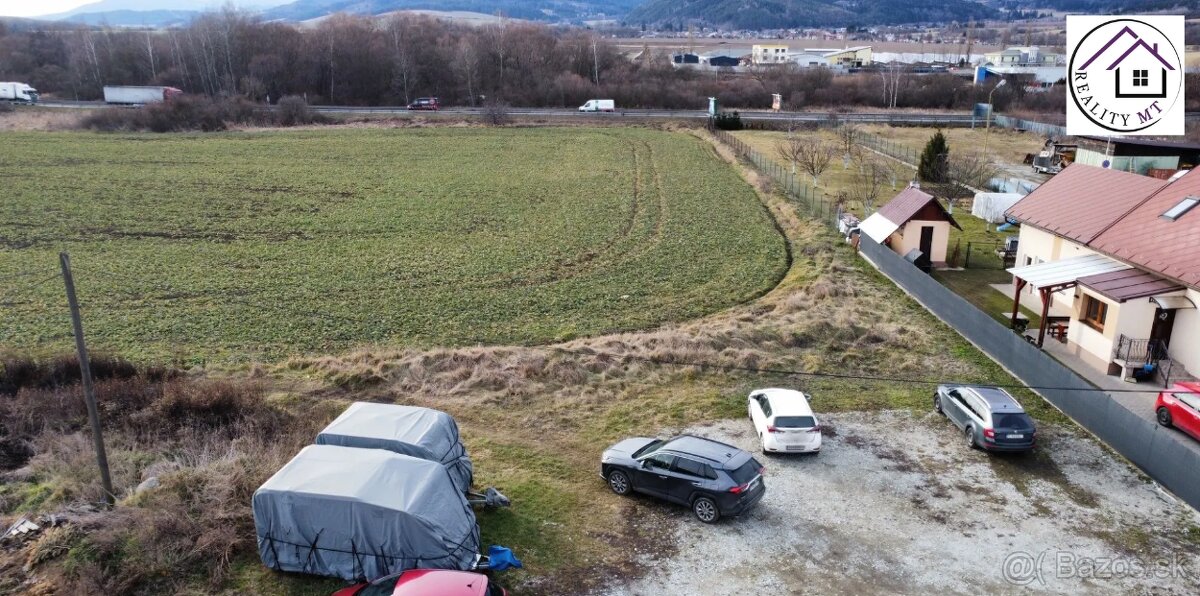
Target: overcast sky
(26, 8)
(34, 8)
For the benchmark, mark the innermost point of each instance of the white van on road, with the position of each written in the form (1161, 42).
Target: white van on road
(598, 105)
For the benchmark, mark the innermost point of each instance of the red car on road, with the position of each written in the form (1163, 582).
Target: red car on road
(425, 103)
(1179, 406)
(427, 582)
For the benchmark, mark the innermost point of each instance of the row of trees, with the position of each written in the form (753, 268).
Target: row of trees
(370, 61)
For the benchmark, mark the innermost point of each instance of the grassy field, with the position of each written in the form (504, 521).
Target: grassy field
(838, 179)
(534, 419)
(1005, 146)
(267, 244)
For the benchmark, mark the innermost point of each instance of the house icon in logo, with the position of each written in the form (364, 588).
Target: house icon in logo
(1140, 72)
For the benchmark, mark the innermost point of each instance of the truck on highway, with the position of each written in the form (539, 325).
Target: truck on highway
(598, 105)
(18, 93)
(130, 95)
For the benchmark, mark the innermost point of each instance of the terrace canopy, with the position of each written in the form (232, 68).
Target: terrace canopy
(1055, 276)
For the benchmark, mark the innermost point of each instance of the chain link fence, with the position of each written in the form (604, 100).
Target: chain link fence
(812, 200)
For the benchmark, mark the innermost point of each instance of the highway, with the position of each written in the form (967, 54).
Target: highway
(899, 117)
(881, 117)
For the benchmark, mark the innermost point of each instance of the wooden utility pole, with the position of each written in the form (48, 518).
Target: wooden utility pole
(85, 370)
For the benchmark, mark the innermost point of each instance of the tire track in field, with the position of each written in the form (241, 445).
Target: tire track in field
(571, 266)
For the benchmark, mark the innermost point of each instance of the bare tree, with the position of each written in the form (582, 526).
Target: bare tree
(466, 63)
(809, 153)
(868, 184)
(404, 67)
(495, 113)
(892, 75)
(848, 136)
(973, 169)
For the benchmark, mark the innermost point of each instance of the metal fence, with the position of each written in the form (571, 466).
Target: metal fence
(985, 254)
(1162, 453)
(890, 148)
(1041, 128)
(812, 200)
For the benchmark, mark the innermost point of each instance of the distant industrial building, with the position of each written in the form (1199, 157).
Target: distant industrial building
(1023, 56)
(769, 54)
(1034, 68)
(856, 57)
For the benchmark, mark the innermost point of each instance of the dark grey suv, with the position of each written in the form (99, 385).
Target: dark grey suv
(712, 478)
(989, 417)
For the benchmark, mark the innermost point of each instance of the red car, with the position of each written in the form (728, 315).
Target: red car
(427, 582)
(1179, 406)
(425, 103)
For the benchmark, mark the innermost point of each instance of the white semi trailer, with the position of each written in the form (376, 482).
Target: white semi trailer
(130, 95)
(18, 92)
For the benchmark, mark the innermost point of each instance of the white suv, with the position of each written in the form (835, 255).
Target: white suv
(784, 421)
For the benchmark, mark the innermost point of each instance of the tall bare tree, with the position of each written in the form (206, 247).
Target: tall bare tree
(869, 182)
(466, 63)
(810, 153)
(892, 75)
(848, 136)
(973, 169)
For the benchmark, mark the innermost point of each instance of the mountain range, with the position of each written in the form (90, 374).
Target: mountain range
(730, 14)
(779, 14)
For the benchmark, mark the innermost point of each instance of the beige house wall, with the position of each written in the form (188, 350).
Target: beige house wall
(1098, 344)
(1132, 318)
(908, 238)
(1185, 336)
(1038, 246)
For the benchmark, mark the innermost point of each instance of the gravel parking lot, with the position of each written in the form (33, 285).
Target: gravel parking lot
(896, 504)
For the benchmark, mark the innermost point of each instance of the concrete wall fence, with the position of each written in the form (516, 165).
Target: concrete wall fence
(1164, 454)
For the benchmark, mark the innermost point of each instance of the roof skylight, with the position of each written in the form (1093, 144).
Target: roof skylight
(1181, 207)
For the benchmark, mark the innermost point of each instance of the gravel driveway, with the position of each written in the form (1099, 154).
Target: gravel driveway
(896, 504)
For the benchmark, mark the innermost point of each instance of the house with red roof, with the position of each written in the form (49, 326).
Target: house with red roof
(1118, 253)
(914, 225)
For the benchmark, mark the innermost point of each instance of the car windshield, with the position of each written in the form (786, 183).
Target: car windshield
(795, 421)
(1012, 421)
(746, 472)
(379, 588)
(648, 449)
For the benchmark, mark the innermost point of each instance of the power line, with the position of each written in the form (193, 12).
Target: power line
(853, 377)
(22, 274)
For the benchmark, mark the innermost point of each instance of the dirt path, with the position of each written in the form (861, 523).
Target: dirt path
(895, 504)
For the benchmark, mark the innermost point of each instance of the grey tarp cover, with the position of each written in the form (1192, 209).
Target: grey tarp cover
(419, 432)
(362, 513)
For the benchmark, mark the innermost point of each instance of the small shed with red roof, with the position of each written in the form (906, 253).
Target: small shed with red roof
(913, 220)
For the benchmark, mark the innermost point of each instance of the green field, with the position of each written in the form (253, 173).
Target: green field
(259, 245)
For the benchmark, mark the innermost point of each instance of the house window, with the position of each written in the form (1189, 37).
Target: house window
(1141, 78)
(1094, 313)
